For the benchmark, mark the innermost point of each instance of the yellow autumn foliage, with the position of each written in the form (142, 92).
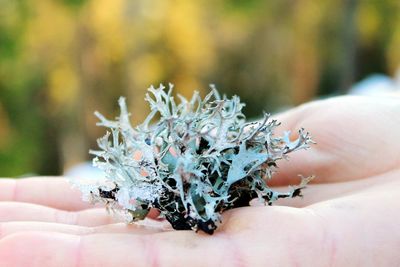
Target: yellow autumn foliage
(61, 60)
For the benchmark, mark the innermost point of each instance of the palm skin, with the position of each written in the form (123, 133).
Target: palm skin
(349, 216)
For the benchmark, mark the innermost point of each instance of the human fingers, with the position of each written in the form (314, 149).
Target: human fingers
(18, 211)
(281, 237)
(147, 227)
(265, 241)
(72, 250)
(354, 136)
(315, 193)
(55, 192)
(363, 226)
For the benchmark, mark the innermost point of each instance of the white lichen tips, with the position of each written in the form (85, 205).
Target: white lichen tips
(191, 160)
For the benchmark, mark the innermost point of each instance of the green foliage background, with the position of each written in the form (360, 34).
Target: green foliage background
(62, 59)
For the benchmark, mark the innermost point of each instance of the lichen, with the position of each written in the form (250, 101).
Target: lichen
(190, 160)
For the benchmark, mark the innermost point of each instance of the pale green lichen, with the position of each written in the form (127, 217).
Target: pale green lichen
(191, 160)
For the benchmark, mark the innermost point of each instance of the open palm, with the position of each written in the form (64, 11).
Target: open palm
(349, 216)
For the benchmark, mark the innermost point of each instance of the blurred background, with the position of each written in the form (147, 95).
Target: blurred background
(60, 60)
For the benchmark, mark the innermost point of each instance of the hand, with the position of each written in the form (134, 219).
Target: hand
(348, 217)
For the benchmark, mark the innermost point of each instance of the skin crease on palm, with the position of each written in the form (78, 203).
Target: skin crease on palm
(349, 215)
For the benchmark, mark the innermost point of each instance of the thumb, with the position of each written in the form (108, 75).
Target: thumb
(354, 137)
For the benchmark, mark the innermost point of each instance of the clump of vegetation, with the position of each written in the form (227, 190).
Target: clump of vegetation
(190, 160)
